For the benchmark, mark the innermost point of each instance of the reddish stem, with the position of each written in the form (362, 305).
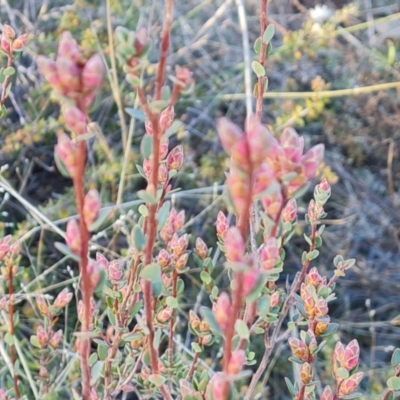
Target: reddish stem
(85, 342)
(169, 6)
(262, 58)
(10, 59)
(172, 321)
(12, 329)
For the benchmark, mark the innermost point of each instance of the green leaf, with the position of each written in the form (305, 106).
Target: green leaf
(135, 113)
(172, 302)
(143, 210)
(342, 373)
(133, 336)
(196, 348)
(151, 272)
(312, 255)
(138, 238)
(242, 329)
(96, 372)
(157, 380)
(9, 71)
(394, 383)
(162, 214)
(205, 277)
(291, 387)
(257, 46)
(258, 69)
(35, 341)
(269, 48)
(269, 33)
(60, 166)
(147, 197)
(104, 215)
(146, 147)
(332, 328)
(354, 395)
(63, 248)
(209, 317)
(157, 338)
(263, 305)
(102, 352)
(396, 358)
(93, 358)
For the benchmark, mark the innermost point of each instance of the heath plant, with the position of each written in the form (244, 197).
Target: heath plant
(130, 307)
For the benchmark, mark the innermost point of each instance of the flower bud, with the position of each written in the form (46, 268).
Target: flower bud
(93, 394)
(165, 315)
(234, 245)
(272, 204)
(275, 299)
(4, 246)
(68, 47)
(181, 262)
(75, 120)
(222, 225)
(312, 159)
(351, 355)
(236, 362)
(216, 387)
(166, 119)
(194, 320)
(222, 310)
(180, 245)
(163, 258)
(42, 336)
(48, 69)
(264, 179)
(8, 32)
(321, 327)
(289, 213)
(68, 154)
(233, 141)
(179, 221)
(201, 248)
(163, 174)
(322, 192)
(63, 298)
(184, 76)
(5, 44)
(204, 326)
(249, 278)
(349, 385)
(327, 394)
(141, 41)
(175, 158)
(305, 373)
(313, 277)
(69, 74)
(206, 339)
(56, 339)
(101, 260)
(73, 236)
(93, 73)
(292, 145)
(258, 139)
(42, 305)
(269, 255)
(321, 308)
(19, 42)
(93, 270)
(91, 207)
(115, 271)
(164, 143)
(299, 349)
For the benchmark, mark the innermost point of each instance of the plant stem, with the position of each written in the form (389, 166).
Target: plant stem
(262, 58)
(169, 6)
(12, 329)
(172, 321)
(10, 59)
(83, 264)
